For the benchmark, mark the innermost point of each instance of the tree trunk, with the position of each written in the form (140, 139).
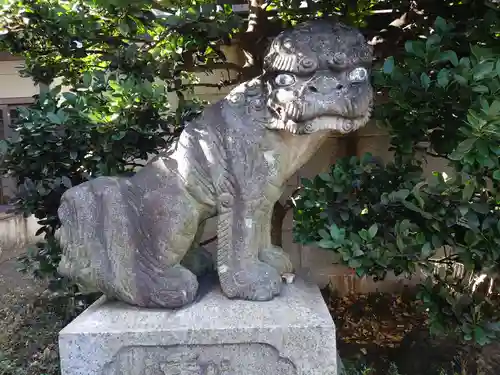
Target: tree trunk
(277, 220)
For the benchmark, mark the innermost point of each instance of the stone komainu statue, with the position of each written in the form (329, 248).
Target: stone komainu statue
(127, 237)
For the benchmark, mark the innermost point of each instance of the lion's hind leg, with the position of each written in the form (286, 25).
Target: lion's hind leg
(95, 234)
(171, 219)
(128, 241)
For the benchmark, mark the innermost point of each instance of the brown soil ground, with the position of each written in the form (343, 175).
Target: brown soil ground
(381, 330)
(15, 290)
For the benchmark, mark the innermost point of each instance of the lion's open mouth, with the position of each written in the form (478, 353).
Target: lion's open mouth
(280, 114)
(339, 123)
(288, 120)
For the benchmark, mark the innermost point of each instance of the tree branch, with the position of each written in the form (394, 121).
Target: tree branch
(435, 155)
(289, 202)
(216, 85)
(252, 40)
(222, 83)
(215, 66)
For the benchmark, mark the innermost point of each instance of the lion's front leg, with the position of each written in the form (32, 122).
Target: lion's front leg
(241, 273)
(269, 253)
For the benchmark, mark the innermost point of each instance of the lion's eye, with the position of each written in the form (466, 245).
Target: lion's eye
(284, 79)
(358, 75)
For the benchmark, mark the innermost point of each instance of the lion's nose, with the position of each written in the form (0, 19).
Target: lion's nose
(325, 86)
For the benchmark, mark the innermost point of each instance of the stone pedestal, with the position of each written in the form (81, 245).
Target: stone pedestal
(293, 334)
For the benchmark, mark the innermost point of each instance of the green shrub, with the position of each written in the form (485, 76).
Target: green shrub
(121, 66)
(377, 217)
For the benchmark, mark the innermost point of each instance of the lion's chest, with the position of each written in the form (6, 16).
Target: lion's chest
(288, 152)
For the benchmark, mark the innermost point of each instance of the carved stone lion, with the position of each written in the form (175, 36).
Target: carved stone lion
(127, 237)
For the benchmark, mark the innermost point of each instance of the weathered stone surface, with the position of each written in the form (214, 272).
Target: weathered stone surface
(292, 334)
(127, 237)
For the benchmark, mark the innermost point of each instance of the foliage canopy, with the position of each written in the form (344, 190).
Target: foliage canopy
(128, 69)
(443, 102)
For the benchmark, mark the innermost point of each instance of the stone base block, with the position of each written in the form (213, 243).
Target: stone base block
(293, 334)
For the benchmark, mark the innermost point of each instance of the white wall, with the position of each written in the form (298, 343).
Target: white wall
(16, 232)
(11, 84)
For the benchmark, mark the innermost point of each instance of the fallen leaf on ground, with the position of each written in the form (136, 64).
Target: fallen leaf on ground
(382, 319)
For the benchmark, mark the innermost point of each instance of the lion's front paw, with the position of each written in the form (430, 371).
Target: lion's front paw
(257, 282)
(277, 258)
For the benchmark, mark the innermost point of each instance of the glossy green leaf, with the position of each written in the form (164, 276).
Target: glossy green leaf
(415, 208)
(426, 250)
(324, 234)
(425, 80)
(360, 272)
(494, 109)
(443, 78)
(450, 56)
(468, 191)
(70, 97)
(335, 232)
(66, 182)
(326, 244)
(462, 148)
(358, 252)
(354, 263)
(482, 89)
(388, 65)
(432, 42)
(480, 336)
(440, 24)
(325, 177)
(460, 79)
(54, 118)
(4, 147)
(482, 70)
(372, 231)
